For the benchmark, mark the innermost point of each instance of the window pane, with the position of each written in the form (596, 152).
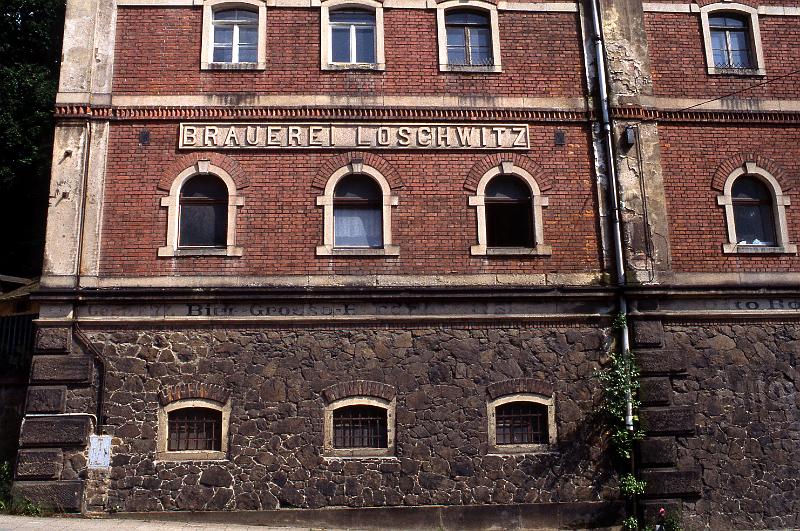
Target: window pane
(203, 225)
(235, 15)
(358, 227)
(482, 56)
(340, 43)
(194, 429)
(466, 18)
(521, 423)
(365, 44)
(750, 188)
(204, 186)
(507, 187)
(223, 55)
(456, 56)
(480, 37)
(456, 37)
(721, 59)
(248, 54)
(223, 34)
(754, 224)
(354, 17)
(360, 427)
(357, 187)
(509, 224)
(248, 35)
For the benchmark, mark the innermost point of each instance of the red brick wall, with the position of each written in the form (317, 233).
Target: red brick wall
(689, 157)
(158, 52)
(280, 224)
(677, 56)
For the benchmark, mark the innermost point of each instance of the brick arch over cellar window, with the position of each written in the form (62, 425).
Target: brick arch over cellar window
(173, 204)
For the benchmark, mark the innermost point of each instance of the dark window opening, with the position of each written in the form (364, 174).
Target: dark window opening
(194, 429)
(753, 212)
(509, 213)
(360, 427)
(357, 213)
(730, 41)
(521, 423)
(469, 38)
(203, 212)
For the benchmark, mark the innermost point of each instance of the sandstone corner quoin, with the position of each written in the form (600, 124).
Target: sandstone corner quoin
(320, 255)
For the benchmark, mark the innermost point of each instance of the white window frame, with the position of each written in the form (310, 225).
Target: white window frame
(162, 436)
(389, 406)
(326, 201)
(754, 38)
(538, 202)
(172, 203)
(491, 414)
(207, 44)
(779, 204)
(326, 42)
(476, 5)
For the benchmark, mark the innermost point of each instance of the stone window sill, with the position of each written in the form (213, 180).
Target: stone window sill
(539, 250)
(233, 66)
(517, 449)
(231, 251)
(371, 67)
(192, 455)
(387, 250)
(743, 72)
(736, 248)
(471, 69)
(360, 453)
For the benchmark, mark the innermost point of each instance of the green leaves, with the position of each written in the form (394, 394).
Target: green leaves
(619, 378)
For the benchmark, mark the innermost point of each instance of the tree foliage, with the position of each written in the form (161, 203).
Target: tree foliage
(30, 48)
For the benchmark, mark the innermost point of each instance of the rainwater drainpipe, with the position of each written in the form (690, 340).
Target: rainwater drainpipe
(613, 195)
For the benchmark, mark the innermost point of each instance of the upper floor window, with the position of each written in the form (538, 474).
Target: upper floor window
(203, 212)
(752, 212)
(509, 213)
(235, 36)
(357, 217)
(194, 428)
(469, 38)
(730, 41)
(352, 36)
(360, 426)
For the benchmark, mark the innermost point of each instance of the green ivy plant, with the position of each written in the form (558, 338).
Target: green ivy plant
(618, 379)
(629, 486)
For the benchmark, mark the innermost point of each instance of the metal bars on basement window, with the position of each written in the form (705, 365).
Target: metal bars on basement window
(360, 427)
(521, 423)
(194, 429)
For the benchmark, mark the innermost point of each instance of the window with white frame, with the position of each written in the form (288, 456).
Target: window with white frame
(509, 213)
(201, 213)
(357, 213)
(755, 211)
(193, 429)
(732, 39)
(469, 36)
(521, 423)
(234, 34)
(359, 426)
(351, 35)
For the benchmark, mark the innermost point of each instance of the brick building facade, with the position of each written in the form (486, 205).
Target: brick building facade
(321, 254)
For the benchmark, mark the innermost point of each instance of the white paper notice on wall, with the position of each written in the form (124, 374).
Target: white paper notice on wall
(100, 451)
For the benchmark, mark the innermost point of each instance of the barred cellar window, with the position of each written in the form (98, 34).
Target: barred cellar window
(203, 212)
(352, 36)
(360, 426)
(469, 38)
(730, 41)
(521, 423)
(752, 212)
(357, 213)
(509, 213)
(235, 36)
(194, 428)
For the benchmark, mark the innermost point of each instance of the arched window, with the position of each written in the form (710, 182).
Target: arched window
(360, 427)
(730, 40)
(469, 38)
(357, 219)
(509, 213)
(752, 212)
(353, 36)
(521, 423)
(194, 428)
(235, 36)
(203, 212)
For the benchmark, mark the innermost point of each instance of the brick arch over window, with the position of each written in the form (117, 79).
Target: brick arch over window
(358, 388)
(333, 164)
(231, 167)
(519, 385)
(194, 390)
(479, 169)
(732, 164)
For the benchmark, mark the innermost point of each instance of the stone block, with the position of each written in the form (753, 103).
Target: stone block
(57, 495)
(45, 463)
(655, 390)
(647, 334)
(661, 361)
(46, 399)
(671, 483)
(55, 431)
(676, 419)
(52, 339)
(60, 369)
(658, 451)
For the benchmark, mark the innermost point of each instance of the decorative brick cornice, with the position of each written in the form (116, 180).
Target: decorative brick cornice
(217, 159)
(542, 178)
(358, 388)
(704, 116)
(370, 159)
(183, 391)
(519, 385)
(728, 166)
